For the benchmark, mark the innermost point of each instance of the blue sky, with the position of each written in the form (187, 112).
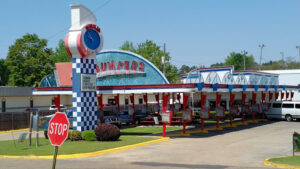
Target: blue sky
(196, 32)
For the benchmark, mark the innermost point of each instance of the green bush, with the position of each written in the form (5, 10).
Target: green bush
(89, 135)
(107, 132)
(74, 135)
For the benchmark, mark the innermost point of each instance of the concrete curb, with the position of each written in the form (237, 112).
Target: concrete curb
(268, 163)
(11, 131)
(80, 155)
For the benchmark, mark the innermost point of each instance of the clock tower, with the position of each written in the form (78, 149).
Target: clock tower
(82, 43)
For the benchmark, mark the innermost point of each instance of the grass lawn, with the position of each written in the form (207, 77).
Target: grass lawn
(69, 147)
(291, 160)
(129, 136)
(147, 130)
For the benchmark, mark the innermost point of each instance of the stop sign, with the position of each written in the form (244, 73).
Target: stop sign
(58, 129)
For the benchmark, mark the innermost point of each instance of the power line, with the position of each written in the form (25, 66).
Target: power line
(66, 28)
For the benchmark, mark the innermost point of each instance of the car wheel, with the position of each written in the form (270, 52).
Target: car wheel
(288, 117)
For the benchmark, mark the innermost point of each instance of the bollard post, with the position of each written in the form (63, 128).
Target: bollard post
(202, 124)
(164, 129)
(253, 116)
(184, 124)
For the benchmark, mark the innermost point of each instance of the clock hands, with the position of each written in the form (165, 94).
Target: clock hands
(90, 37)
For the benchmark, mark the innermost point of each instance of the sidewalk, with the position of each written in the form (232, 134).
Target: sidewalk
(15, 135)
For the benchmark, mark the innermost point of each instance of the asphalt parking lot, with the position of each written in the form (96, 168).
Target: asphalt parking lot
(243, 147)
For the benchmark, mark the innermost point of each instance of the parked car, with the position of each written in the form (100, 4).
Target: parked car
(110, 117)
(62, 107)
(125, 117)
(142, 116)
(287, 110)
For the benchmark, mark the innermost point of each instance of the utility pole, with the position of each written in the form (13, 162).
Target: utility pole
(261, 47)
(282, 56)
(163, 60)
(298, 47)
(244, 53)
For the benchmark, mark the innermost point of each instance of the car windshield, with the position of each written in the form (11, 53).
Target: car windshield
(124, 113)
(108, 113)
(140, 112)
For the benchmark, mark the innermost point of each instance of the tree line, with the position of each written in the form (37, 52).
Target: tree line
(29, 60)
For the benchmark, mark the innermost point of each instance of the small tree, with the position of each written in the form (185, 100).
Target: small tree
(28, 61)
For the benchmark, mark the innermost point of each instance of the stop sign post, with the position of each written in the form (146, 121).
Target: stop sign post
(58, 132)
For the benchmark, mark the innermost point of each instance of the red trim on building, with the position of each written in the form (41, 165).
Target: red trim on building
(190, 85)
(221, 67)
(158, 86)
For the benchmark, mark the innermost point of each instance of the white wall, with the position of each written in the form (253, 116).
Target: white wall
(288, 77)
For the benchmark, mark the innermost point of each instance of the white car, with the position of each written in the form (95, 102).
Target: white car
(62, 107)
(287, 110)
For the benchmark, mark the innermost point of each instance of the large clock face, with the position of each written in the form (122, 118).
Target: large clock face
(91, 39)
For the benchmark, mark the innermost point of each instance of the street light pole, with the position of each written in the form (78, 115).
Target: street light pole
(282, 56)
(261, 47)
(244, 53)
(163, 60)
(298, 47)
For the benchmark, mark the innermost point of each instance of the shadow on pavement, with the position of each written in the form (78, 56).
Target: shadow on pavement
(176, 165)
(212, 133)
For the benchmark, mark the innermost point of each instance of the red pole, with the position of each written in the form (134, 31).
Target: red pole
(217, 122)
(253, 116)
(202, 124)
(231, 120)
(173, 106)
(164, 129)
(243, 118)
(184, 125)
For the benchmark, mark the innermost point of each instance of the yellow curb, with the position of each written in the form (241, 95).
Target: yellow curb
(262, 120)
(11, 131)
(240, 123)
(229, 126)
(268, 163)
(215, 128)
(177, 135)
(251, 121)
(80, 155)
(198, 131)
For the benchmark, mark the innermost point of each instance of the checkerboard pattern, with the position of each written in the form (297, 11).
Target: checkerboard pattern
(85, 66)
(84, 102)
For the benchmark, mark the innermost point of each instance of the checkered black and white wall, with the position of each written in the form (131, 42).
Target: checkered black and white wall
(84, 102)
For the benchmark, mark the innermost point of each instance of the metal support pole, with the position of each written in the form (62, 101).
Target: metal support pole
(30, 128)
(164, 129)
(37, 130)
(244, 54)
(54, 157)
(261, 48)
(184, 125)
(164, 60)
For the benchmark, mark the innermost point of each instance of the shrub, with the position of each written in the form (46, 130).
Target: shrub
(74, 135)
(107, 132)
(89, 135)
